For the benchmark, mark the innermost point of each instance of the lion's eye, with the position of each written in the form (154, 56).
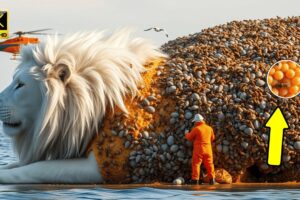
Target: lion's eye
(19, 85)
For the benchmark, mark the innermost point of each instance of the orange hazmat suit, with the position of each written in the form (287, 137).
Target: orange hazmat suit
(202, 135)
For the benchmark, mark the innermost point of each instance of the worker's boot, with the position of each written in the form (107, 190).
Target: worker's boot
(212, 181)
(192, 182)
(200, 182)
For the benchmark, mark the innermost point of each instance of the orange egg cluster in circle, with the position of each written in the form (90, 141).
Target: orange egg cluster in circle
(284, 79)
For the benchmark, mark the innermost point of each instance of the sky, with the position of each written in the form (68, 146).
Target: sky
(178, 17)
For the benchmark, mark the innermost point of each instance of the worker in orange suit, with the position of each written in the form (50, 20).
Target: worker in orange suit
(202, 136)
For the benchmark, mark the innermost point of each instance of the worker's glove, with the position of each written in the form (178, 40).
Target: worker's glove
(186, 131)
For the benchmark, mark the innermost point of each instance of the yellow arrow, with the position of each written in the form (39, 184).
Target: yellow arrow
(277, 123)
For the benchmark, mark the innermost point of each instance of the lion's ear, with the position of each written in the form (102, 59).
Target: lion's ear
(64, 73)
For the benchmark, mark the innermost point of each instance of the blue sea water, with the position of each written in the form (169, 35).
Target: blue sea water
(146, 193)
(70, 192)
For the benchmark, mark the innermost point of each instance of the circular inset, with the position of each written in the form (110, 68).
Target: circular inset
(284, 79)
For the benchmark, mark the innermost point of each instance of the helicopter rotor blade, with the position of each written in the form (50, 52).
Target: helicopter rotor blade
(29, 32)
(43, 34)
(46, 29)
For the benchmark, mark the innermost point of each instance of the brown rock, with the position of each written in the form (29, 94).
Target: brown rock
(222, 176)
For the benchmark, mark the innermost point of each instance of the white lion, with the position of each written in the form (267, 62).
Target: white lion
(60, 92)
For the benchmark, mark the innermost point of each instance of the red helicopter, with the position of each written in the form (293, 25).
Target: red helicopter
(13, 45)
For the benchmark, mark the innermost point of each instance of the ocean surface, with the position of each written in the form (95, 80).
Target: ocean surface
(153, 191)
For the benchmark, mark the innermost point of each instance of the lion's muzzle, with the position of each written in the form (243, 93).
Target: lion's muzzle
(6, 115)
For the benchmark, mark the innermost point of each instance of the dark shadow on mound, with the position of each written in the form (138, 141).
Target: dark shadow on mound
(253, 174)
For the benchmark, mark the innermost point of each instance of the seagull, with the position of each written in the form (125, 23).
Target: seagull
(158, 30)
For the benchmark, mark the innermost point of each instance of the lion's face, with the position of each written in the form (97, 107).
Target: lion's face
(20, 102)
(58, 98)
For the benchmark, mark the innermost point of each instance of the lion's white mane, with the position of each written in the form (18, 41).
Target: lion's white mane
(84, 74)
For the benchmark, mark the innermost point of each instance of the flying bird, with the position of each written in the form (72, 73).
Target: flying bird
(158, 30)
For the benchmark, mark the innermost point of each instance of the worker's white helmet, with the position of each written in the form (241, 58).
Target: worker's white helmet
(198, 118)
